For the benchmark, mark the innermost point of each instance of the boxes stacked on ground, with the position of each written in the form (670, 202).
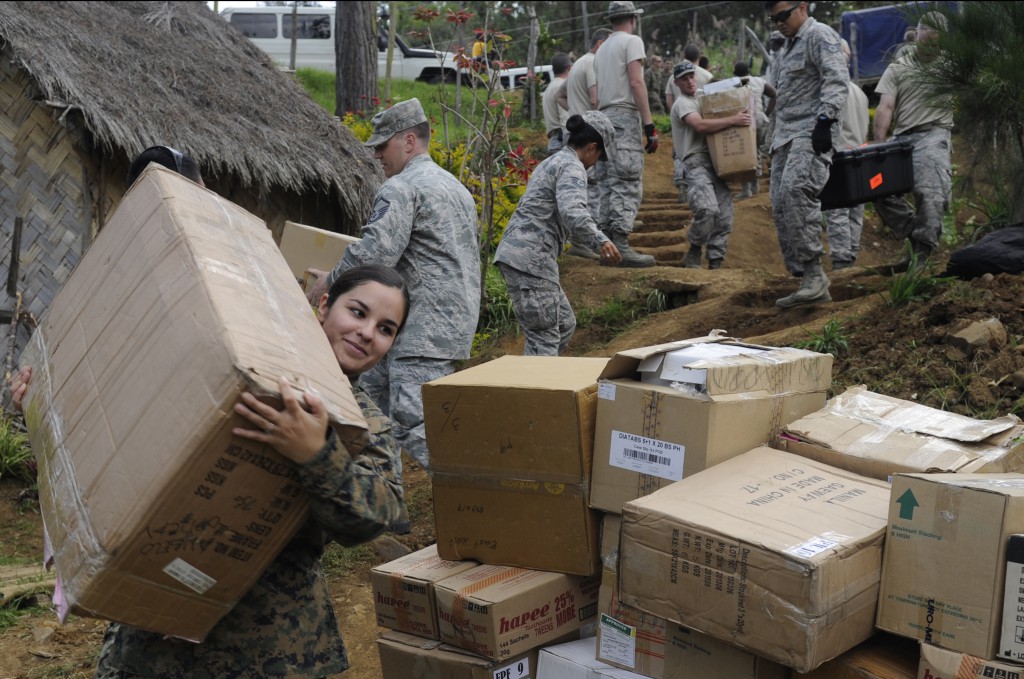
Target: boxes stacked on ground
(501, 611)
(667, 412)
(633, 639)
(404, 590)
(511, 445)
(945, 558)
(157, 515)
(876, 435)
(403, 656)
(575, 660)
(769, 551)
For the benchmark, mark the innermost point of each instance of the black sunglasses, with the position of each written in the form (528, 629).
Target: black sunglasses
(783, 16)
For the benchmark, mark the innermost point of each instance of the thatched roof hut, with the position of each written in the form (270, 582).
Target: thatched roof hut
(86, 86)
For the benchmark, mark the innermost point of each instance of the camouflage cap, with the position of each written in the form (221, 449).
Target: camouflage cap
(401, 116)
(622, 8)
(682, 68)
(600, 122)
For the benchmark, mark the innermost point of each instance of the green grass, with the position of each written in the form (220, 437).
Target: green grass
(16, 459)
(340, 561)
(320, 87)
(831, 340)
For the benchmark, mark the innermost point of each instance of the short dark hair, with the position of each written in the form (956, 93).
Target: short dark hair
(171, 158)
(692, 53)
(560, 63)
(421, 130)
(358, 275)
(582, 133)
(599, 35)
(741, 69)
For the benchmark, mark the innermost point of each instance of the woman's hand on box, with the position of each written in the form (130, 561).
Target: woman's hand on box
(19, 385)
(297, 432)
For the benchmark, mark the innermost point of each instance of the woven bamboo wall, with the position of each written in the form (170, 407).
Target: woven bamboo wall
(42, 181)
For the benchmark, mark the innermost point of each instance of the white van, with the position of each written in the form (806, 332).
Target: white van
(270, 29)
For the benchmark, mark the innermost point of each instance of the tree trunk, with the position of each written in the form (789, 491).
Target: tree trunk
(355, 52)
(531, 58)
(295, 34)
(392, 24)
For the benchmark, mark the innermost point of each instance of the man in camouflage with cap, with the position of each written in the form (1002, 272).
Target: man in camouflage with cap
(423, 223)
(928, 126)
(708, 195)
(811, 82)
(622, 96)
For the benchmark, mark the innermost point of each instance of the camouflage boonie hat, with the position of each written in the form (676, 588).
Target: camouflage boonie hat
(622, 8)
(401, 116)
(600, 122)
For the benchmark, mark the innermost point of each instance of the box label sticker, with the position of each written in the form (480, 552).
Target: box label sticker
(1012, 638)
(606, 391)
(647, 456)
(189, 575)
(516, 670)
(618, 642)
(812, 547)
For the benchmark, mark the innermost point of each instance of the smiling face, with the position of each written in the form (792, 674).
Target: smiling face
(361, 324)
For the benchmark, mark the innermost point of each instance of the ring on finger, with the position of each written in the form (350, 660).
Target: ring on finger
(269, 428)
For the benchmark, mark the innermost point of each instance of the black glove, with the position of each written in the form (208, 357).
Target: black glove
(821, 137)
(652, 138)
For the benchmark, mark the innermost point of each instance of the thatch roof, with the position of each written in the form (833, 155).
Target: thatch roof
(143, 73)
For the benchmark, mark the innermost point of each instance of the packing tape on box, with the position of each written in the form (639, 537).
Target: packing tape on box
(55, 466)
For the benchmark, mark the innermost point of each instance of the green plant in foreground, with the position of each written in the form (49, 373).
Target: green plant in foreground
(16, 459)
(831, 340)
(916, 285)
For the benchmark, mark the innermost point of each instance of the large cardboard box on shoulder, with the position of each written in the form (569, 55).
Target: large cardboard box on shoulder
(666, 412)
(403, 590)
(501, 611)
(733, 150)
(511, 446)
(769, 551)
(307, 247)
(945, 558)
(878, 436)
(404, 656)
(158, 516)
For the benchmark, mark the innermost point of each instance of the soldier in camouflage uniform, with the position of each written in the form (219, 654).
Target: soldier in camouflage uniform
(654, 80)
(709, 196)
(286, 626)
(811, 79)
(928, 126)
(424, 224)
(552, 210)
(622, 96)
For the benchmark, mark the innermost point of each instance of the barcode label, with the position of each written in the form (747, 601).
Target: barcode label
(663, 459)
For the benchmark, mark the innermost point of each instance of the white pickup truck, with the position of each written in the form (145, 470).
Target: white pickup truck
(270, 29)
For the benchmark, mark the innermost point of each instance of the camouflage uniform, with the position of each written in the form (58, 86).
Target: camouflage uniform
(844, 226)
(424, 224)
(654, 78)
(285, 626)
(811, 80)
(709, 197)
(928, 127)
(577, 89)
(624, 184)
(552, 211)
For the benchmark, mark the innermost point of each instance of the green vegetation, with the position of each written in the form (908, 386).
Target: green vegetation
(339, 561)
(831, 340)
(497, 317)
(16, 459)
(616, 314)
(916, 285)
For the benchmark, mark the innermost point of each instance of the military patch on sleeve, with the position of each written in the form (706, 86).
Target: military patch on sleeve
(380, 208)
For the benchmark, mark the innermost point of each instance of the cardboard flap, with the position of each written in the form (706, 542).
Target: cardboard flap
(885, 411)
(625, 363)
